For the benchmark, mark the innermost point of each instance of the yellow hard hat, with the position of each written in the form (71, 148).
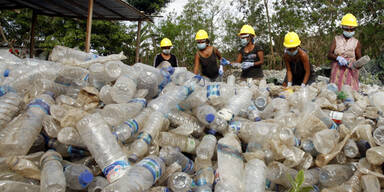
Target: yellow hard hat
(291, 40)
(201, 34)
(165, 43)
(247, 29)
(349, 20)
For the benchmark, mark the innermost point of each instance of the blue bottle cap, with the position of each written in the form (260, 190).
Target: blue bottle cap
(257, 119)
(210, 117)
(6, 72)
(211, 131)
(85, 178)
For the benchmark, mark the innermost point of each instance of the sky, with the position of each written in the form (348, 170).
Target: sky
(175, 5)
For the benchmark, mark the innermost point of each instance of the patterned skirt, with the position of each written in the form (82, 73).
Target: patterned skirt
(341, 75)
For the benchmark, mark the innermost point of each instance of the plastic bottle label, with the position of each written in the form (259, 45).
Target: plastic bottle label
(213, 91)
(115, 170)
(133, 125)
(229, 151)
(142, 101)
(40, 104)
(147, 138)
(336, 116)
(152, 166)
(217, 177)
(201, 182)
(189, 167)
(235, 126)
(191, 145)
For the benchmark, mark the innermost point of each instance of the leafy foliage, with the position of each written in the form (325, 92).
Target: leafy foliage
(297, 184)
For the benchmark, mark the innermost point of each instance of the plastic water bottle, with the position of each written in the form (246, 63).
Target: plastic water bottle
(77, 176)
(52, 176)
(98, 184)
(184, 120)
(105, 94)
(103, 146)
(235, 104)
(67, 55)
(349, 94)
(10, 105)
(204, 179)
(150, 78)
(311, 177)
(150, 131)
(70, 136)
(230, 163)
(325, 140)
(206, 148)
(308, 146)
(217, 124)
(66, 150)
(115, 114)
(255, 175)
(278, 173)
(171, 155)
(180, 181)
(219, 93)
(350, 149)
(19, 139)
(361, 62)
(124, 89)
(253, 112)
(185, 143)
(25, 166)
(370, 183)
(9, 185)
(375, 155)
(332, 175)
(130, 127)
(205, 114)
(140, 177)
(51, 126)
(195, 99)
(259, 131)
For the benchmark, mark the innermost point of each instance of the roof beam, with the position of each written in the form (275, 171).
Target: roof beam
(133, 8)
(109, 9)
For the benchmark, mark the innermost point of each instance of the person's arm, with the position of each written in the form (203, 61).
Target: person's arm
(305, 59)
(217, 52)
(358, 51)
(197, 64)
(260, 54)
(289, 72)
(331, 53)
(176, 62)
(155, 61)
(239, 58)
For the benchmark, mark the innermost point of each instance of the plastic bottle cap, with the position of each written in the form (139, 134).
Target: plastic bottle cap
(85, 178)
(211, 131)
(257, 119)
(210, 117)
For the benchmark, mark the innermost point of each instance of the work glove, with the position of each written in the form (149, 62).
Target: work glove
(342, 61)
(246, 65)
(221, 70)
(224, 62)
(302, 85)
(289, 84)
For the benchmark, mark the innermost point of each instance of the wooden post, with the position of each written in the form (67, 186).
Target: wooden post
(89, 26)
(137, 58)
(32, 35)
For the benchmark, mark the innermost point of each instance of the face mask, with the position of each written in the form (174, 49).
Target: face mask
(292, 53)
(244, 42)
(349, 34)
(166, 51)
(201, 46)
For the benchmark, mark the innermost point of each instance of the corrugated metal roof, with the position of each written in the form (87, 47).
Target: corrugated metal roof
(102, 9)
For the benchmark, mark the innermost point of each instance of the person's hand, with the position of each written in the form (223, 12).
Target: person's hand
(302, 85)
(221, 70)
(246, 65)
(342, 61)
(224, 62)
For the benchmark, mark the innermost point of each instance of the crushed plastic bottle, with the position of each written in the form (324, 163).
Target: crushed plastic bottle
(52, 175)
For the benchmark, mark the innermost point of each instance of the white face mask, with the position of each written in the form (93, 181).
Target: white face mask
(201, 46)
(167, 51)
(348, 34)
(244, 42)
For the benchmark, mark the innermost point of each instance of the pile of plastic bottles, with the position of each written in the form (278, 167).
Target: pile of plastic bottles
(81, 122)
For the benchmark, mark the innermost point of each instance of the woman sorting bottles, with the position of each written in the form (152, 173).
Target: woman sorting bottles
(296, 59)
(165, 54)
(345, 50)
(251, 55)
(206, 58)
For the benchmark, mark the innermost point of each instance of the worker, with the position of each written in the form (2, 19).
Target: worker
(206, 58)
(345, 50)
(296, 59)
(251, 55)
(165, 55)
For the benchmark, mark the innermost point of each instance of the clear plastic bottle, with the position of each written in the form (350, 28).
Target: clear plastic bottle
(255, 175)
(188, 122)
(349, 94)
(115, 114)
(325, 140)
(103, 146)
(308, 146)
(140, 177)
(51, 126)
(206, 148)
(278, 173)
(43, 85)
(24, 166)
(185, 143)
(105, 94)
(159, 189)
(70, 136)
(9, 185)
(98, 184)
(259, 131)
(204, 179)
(375, 155)
(235, 104)
(219, 93)
(370, 183)
(77, 176)
(350, 149)
(66, 150)
(17, 140)
(180, 182)
(124, 89)
(205, 114)
(197, 98)
(230, 164)
(332, 175)
(149, 132)
(231, 80)
(311, 177)
(150, 78)
(10, 105)
(172, 154)
(378, 135)
(130, 127)
(52, 175)
(67, 55)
